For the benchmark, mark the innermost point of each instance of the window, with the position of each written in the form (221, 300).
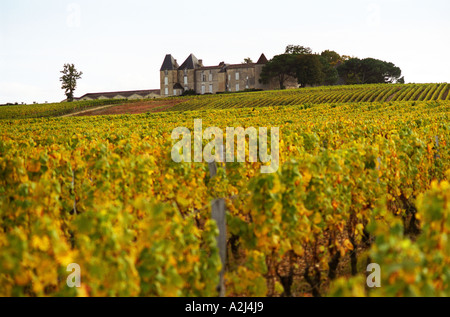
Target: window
(185, 79)
(247, 84)
(237, 87)
(203, 89)
(211, 89)
(237, 75)
(210, 76)
(166, 72)
(166, 80)
(174, 92)
(203, 76)
(167, 91)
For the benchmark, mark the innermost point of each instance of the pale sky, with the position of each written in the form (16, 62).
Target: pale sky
(120, 45)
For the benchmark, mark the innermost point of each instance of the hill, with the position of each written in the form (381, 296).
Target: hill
(309, 96)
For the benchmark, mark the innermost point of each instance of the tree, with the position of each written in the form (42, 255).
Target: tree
(247, 60)
(329, 71)
(309, 70)
(369, 71)
(280, 67)
(312, 69)
(298, 50)
(69, 80)
(351, 71)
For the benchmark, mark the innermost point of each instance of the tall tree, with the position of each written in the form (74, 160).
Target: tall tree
(69, 80)
(247, 60)
(280, 67)
(309, 70)
(329, 71)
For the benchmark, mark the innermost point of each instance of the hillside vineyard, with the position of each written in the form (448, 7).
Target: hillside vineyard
(306, 97)
(362, 170)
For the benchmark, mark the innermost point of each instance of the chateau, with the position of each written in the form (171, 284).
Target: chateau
(193, 75)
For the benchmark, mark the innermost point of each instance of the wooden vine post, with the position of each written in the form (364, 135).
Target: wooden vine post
(219, 215)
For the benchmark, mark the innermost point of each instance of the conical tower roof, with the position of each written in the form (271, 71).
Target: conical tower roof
(169, 63)
(262, 59)
(190, 63)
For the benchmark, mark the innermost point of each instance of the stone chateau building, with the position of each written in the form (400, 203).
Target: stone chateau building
(193, 75)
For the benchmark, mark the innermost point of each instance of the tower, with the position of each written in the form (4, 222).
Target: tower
(186, 72)
(169, 76)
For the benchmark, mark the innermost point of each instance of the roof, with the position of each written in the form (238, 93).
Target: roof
(234, 66)
(177, 86)
(126, 94)
(211, 67)
(169, 63)
(190, 63)
(193, 63)
(262, 59)
(228, 66)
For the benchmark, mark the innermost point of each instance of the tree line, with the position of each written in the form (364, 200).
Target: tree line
(327, 68)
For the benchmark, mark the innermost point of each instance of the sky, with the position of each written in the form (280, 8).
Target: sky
(120, 45)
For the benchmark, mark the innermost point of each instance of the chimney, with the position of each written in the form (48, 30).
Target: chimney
(200, 61)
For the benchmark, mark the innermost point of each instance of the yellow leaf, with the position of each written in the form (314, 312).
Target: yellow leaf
(317, 218)
(348, 245)
(182, 201)
(34, 167)
(298, 250)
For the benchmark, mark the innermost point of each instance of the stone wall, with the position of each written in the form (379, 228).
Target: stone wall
(207, 77)
(172, 76)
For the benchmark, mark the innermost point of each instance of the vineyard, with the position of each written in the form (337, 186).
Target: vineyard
(319, 95)
(309, 96)
(53, 109)
(363, 178)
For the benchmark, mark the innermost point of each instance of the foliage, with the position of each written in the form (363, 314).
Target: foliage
(298, 50)
(280, 67)
(332, 58)
(369, 71)
(326, 68)
(54, 109)
(103, 192)
(410, 268)
(69, 80)
(309, 70)
(329, 71)
(311, 96)
(189, 92)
